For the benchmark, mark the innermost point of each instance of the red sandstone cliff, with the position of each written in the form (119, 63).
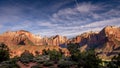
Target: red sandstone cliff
(23, 37)
(106, 42)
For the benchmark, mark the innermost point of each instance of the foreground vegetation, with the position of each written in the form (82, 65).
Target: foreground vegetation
(56, 59)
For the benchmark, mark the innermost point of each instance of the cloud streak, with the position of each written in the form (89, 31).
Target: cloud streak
(59, 17)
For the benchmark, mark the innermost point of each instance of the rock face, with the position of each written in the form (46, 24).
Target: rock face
(21, 40)
(23, 37)
(89, 38)
(106, 42)
(55, 40)
(110, 36)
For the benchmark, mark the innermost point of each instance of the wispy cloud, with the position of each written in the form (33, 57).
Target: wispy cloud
(87, 7)
(46, 24)
(59, 17)
(85, 17)
(114, 21)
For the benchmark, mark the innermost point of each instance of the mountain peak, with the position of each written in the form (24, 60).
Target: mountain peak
(23, 31)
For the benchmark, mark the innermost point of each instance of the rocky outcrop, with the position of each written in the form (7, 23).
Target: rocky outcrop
(54, 40)
(23, 37)
(88, 38)
(106, 42)
(19, 41)
(111, 39)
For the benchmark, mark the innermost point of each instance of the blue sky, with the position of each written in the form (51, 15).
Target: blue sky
(64, 17)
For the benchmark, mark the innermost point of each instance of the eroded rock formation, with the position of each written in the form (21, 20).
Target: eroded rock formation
(106, 42)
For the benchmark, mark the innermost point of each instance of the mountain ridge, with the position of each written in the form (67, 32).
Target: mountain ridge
(106, 42)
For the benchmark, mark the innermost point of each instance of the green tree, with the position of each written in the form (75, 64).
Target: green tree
(45, 52)
(26, 57)
(74, 51)
(87, 59)
(4, 52)
(54, 55)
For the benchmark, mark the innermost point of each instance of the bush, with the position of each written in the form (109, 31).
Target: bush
(65, 64)
(40, 61)
(9, 64)
(54, 54)
(26, 57)
(47, 63)
(4, 52)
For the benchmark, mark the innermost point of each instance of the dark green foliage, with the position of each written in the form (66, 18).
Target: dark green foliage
(65, 64)
(54, 55)
(73, 48)
(5, 60)
(41, 58)
(26, 57)
(45, 52)
(89, 59)
(40, 61)
(48, 63)
(9, 64)
(4, 52)
(86, 59)
(74, 51)
(15, 59)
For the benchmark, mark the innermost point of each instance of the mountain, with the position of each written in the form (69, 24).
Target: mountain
(54, 40)
(20, 37)
(106, 42)
(23, 37)
(19, 41)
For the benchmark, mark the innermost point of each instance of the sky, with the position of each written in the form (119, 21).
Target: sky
(58, 17)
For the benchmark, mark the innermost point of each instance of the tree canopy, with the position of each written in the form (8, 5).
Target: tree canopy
(4, 52)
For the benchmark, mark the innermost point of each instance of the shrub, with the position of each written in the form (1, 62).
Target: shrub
(40, 61)
(26, 57)
(53, 54)
(47, 63)
(4, 52)
(9, 64)
(65, 64)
